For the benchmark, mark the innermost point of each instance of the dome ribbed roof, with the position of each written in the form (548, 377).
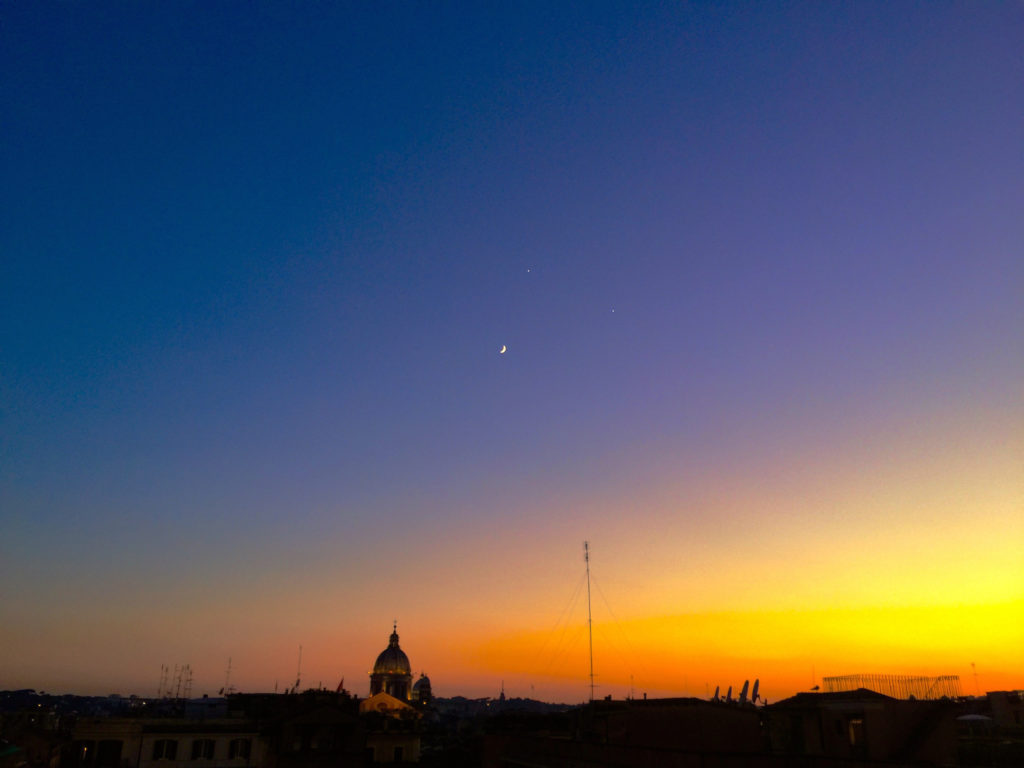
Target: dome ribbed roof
(392, 660)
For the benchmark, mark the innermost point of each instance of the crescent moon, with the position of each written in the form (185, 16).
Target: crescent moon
(502, 350)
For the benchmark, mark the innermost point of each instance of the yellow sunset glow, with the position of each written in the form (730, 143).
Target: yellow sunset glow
(682, 653)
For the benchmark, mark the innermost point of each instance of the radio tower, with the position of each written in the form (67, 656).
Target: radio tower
(590, 620)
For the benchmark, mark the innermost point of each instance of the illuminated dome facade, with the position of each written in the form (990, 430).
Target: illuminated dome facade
(392, 672)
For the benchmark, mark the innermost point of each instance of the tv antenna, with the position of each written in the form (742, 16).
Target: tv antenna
(163, 687)
(228, 688)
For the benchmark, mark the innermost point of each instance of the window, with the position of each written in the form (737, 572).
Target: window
(165, 749)
(399, 754)
(86, 753)
(239, 749)
(856, 731)
(202, 749)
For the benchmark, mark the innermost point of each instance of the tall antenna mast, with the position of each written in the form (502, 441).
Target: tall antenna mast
(227, 680)
(590, 620)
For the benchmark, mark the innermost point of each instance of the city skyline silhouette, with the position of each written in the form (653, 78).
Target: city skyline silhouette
(318, 317)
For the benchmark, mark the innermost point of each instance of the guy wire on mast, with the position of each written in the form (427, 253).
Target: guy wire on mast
(590, 621)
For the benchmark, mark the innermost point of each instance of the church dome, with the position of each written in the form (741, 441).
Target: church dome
(421, 690)
(392, 660)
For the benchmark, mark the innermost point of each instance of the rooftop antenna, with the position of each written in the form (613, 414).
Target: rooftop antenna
(227, 680)
(590, 620)
(164, 672)
(298, 672)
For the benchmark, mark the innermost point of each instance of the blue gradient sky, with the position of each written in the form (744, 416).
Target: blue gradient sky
(758, 269)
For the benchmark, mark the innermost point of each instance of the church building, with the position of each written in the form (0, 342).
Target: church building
(392, 673)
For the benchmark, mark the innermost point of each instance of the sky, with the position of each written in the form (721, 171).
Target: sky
(757, 270)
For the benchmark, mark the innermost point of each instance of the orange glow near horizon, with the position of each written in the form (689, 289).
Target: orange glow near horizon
(873, 554)
(691, 654)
